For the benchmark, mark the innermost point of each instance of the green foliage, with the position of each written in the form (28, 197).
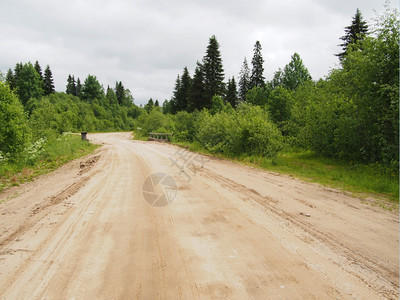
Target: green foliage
(14, 133)
(92, 89)
(231, 93)
(279, 106)
(257, 73)
(258, 95)
(155, 121)
(213, 71)
(28, 83)
(244, 81)
(48, 86)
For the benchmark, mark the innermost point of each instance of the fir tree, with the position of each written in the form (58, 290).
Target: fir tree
(244, 81)
(197, 99)
(213, 71)
(231, 94)
(48, 86)
(257, 77)
(176, 95)
(156, 104)
(354, 33)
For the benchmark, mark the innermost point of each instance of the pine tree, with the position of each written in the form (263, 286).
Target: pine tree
(48, 86)
(244, 81)
(257, 77)
(197, 99)
(231, 94)
(354, 33)
(10, 79)
(213, 71)
(156, 104)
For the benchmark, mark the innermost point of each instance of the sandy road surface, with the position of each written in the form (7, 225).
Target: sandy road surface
(231, 232)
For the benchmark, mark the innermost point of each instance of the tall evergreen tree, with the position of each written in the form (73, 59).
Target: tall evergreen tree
(10, 79)
(197, 99)
(71, 87)
(184, 93)
(354, 33)
(17, 71)
(119, 92)
(231, 93)
(257, 72)
(244, 81)
(38, 69)
(213, 71)
(48, 86)
(78, 88)
(156, 103)
(176, 95)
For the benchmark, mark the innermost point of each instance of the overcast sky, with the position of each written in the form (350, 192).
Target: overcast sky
(145, 44)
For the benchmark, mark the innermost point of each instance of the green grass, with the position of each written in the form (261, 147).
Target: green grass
(54, 154)
(362, 180)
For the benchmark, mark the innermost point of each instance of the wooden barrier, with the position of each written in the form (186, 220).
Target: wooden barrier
(161, 137)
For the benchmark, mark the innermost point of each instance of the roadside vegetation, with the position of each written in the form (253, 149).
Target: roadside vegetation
(341, 131)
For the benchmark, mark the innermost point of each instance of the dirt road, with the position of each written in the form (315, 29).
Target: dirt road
(87, 231)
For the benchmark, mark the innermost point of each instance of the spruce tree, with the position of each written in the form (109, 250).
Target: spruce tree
(48, 86)
(213, 71)
(197, 99)
(257, 72)
(78, 88)
(71, 87)
(231, 94)
(120, 92)
(244, 81)
(38, 69)
(156, 103)
(184, 93)
(176, 95)
(10, 79)
(354, 33)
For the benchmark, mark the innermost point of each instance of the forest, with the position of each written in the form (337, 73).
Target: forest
(352, 114)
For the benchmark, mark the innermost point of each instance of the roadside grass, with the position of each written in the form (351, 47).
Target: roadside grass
(52, 155)
(362, 180)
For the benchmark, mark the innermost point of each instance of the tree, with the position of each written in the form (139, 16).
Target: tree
(231, 93)
(244, 81)
(78, 88)
(38, 69)
(184, 93)
(213, 71)
(176, 95)
(156, 104)
(14, 132)
(10, 79)
(257, 77)
(29, 84)
(149, 106)
(119, 92)
(48, 85)
(295, 73)
(71, 86)
(354, 33)
(91, 89)
(197, 99)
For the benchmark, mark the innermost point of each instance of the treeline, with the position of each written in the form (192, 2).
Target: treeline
(32, 111)
(352, 114)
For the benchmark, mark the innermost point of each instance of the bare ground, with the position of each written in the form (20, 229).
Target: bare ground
(85, 231)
